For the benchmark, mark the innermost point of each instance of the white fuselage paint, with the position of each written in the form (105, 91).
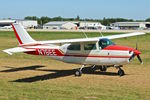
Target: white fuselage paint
(92, 57)
(100, 57)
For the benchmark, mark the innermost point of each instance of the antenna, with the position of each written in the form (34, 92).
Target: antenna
(136, 42)
(99, 30)
(100, 33)
(85, 34)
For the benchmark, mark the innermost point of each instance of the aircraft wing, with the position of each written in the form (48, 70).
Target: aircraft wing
(69, 41)
(16, 50)
(124, 35)
(95, 39)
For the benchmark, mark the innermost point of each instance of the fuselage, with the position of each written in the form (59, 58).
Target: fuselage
(86, 53)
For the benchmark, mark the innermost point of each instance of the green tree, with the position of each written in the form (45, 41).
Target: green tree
(147, 20)
(106, 22)
(59, 18)
(31, 18)
(45, 19)
(77, 18)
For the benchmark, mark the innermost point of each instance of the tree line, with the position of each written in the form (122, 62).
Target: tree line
(105, 21)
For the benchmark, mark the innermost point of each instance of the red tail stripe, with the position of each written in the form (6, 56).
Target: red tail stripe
(17, 36)
(36, 44)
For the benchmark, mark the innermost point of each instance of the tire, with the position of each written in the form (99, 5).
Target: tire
(121, 72)
(78, 73)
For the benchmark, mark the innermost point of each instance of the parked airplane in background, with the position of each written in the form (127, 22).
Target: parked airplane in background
(99, 52)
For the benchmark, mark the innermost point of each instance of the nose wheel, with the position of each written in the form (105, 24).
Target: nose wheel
(121, 72)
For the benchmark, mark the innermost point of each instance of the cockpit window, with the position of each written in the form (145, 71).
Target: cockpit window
(105, 42)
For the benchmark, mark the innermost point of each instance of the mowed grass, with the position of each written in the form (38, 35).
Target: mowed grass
(28, 77)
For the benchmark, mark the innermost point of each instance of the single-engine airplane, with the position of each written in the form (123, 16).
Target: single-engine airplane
(98, 52)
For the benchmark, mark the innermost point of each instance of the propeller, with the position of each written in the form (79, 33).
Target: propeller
(136, 46)
(138, 56)
(133, 55)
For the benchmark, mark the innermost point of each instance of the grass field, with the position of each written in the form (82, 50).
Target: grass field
(27, 77)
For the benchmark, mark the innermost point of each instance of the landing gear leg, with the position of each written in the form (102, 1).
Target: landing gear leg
(103, 68)
(121, 72)
(79, 71)
(93, 68)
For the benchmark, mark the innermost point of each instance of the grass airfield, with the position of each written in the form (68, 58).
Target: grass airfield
(28, 77)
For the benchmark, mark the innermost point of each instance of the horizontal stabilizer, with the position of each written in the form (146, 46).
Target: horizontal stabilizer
(17, 50)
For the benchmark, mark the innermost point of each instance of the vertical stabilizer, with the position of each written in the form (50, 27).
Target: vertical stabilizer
(21, 34)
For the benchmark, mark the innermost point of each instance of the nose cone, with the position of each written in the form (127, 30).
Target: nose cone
(136, 52)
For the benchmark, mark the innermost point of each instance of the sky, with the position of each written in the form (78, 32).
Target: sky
(95, 9)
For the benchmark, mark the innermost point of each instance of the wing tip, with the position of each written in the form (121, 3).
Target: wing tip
(8, 52)
(140, 32)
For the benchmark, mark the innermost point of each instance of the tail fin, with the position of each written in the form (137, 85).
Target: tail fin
(21, 34)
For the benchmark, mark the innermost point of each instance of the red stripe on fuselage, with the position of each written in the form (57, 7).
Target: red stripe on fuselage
(94, 56)
(17, 36)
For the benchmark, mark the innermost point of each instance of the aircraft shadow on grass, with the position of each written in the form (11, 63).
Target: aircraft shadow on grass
(54, 73)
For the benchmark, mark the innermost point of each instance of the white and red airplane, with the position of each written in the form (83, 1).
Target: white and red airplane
(99, 52)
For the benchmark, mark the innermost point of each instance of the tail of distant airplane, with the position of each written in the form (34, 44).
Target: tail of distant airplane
(21, 34)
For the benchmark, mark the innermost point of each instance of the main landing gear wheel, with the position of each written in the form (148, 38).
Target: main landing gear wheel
(121, 72)
(78, 72)
(103, 68)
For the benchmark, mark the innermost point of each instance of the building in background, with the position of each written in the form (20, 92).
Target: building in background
(73, 25)
(59, 25)
(6, 23)
(28, 24)
(91, 25)
(131, 25)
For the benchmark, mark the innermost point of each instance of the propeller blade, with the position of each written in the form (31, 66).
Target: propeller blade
(136, 46)
(136, 43)
(139, 58)
(132, 57)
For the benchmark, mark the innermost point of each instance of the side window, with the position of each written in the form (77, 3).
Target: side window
(90, 46)
(74, 47)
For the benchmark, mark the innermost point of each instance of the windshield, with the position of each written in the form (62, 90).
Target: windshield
(105, 42)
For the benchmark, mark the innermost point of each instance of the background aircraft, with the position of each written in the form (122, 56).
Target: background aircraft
(99, 52)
